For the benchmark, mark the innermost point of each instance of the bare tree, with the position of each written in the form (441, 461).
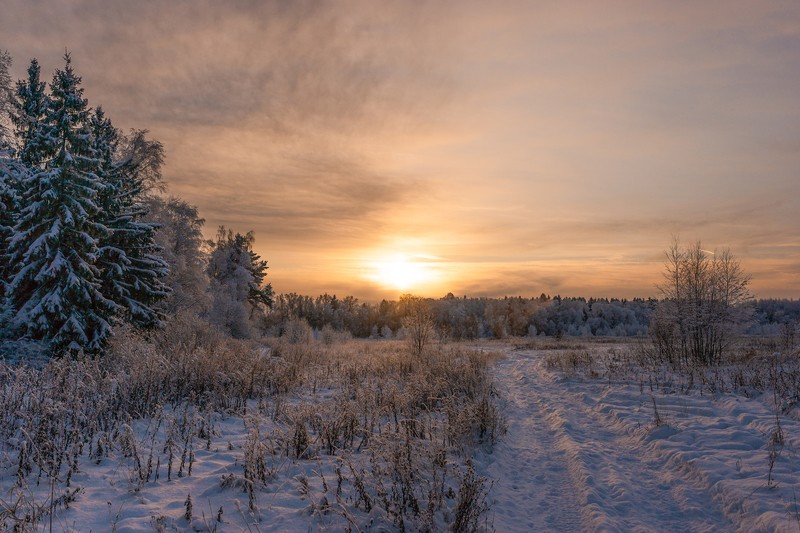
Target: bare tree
(705, 296)
(418, 321)
(180, 236)
(146, 157)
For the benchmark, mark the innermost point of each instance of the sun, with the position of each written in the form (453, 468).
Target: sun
(401, 272)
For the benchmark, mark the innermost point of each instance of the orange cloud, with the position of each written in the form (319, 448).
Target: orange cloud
(530, 147)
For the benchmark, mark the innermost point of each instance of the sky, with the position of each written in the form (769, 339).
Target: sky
(480, 148)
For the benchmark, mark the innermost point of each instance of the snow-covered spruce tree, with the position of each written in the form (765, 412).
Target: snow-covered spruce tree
(6, 100)
(237, 282)
(130, 266)
(12, 174)
(22, 107)
(32, 104)
(9, 177)
(55, 289)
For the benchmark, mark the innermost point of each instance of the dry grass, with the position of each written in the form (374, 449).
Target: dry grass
(754, 366)
(404, 423)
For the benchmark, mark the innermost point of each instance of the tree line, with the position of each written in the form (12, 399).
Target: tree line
(466, 318)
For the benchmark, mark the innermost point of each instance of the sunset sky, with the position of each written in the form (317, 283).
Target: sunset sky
(483, 148)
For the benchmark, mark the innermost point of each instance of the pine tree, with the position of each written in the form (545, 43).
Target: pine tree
(6, 101)
(12, 173)
(129, 261)
(237, 282)
(55, 291)
(31, 107)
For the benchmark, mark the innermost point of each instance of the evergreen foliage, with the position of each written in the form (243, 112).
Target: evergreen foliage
(237, 276)
(55, 290)
(77, 250)
(32, 105)
(9, 173)
(128, 258)
(12, 174)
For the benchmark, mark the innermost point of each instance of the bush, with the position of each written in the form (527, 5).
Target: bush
(297, 331)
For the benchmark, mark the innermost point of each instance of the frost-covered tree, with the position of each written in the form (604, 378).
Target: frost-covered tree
(180, 237)
(128, 259)
(9, 169)
(6, 100)
(55, 289)
(146, 156)
(237, 287)
(417, 321)
(33, 133)
(12, 174)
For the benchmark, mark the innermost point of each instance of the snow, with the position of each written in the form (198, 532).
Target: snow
(587, 455)
(581, 453)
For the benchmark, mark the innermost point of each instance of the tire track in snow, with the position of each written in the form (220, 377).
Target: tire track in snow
(622, 485)
(533, 489)
(566, 466)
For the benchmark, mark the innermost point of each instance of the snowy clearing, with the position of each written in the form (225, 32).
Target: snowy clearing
(587, 455)
(581, 453)
(358, 436)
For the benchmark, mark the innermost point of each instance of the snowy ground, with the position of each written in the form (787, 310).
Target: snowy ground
(586, 455)
(358, 436)
(579, 455)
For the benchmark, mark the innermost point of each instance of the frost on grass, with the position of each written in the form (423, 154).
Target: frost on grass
(194, 430)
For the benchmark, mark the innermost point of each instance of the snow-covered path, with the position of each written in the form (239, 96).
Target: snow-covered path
(533, 490)
(566, 465)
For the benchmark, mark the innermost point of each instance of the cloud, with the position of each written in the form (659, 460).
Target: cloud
(268, 110)
(527, 144)
(285, 66)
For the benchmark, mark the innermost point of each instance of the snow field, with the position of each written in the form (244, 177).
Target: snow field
(703, 467)
(357, 436)
(365, 436)
(532, 489)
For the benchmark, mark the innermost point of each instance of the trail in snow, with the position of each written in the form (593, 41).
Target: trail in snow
(533, 490)
(566, 466)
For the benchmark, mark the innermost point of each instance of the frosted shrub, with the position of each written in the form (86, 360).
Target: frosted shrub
(472, 504)
(327, 335)
(569, 362)
(417, 323)
(187, 359)
(330, 336)
(705, 305)
(297, 331)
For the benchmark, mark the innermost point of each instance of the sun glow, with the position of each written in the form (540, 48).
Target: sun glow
(402, 272)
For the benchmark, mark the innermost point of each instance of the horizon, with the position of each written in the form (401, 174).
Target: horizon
(549, 297)
(378, 149)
